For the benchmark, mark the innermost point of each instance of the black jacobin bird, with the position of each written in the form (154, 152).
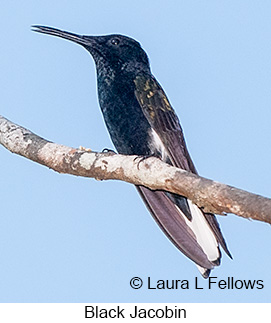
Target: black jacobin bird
(141, 121)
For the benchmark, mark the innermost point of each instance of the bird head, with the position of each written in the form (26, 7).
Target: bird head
(117, 53)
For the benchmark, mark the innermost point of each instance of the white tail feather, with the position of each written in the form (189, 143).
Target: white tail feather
(204, 272)
(203, 233)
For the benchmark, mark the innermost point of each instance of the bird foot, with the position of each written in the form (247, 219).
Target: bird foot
(107, 150)
(142, 158)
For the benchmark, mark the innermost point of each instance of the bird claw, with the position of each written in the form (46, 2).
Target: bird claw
(142, 158)
(106, 150)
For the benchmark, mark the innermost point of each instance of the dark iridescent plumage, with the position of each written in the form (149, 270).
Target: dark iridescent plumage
(141, 121)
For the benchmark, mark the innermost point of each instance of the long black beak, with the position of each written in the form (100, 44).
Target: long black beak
(79, 39)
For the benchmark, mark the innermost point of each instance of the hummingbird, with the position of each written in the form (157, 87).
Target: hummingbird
(141, 121)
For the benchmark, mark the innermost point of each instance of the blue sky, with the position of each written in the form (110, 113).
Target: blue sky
(70, 239)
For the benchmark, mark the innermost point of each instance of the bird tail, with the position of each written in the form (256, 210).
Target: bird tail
(205, 237)
(197, 236)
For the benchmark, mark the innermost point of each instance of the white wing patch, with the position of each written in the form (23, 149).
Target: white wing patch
(157, 145)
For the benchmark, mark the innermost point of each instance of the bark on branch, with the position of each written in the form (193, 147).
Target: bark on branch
(210, 195)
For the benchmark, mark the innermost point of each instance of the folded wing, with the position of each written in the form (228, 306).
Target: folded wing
(195, 233)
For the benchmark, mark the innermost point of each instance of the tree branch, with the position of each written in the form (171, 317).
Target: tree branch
(209, 195)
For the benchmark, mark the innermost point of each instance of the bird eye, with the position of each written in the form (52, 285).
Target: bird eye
(115, 41)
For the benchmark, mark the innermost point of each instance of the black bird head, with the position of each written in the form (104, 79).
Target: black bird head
(111, 53)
